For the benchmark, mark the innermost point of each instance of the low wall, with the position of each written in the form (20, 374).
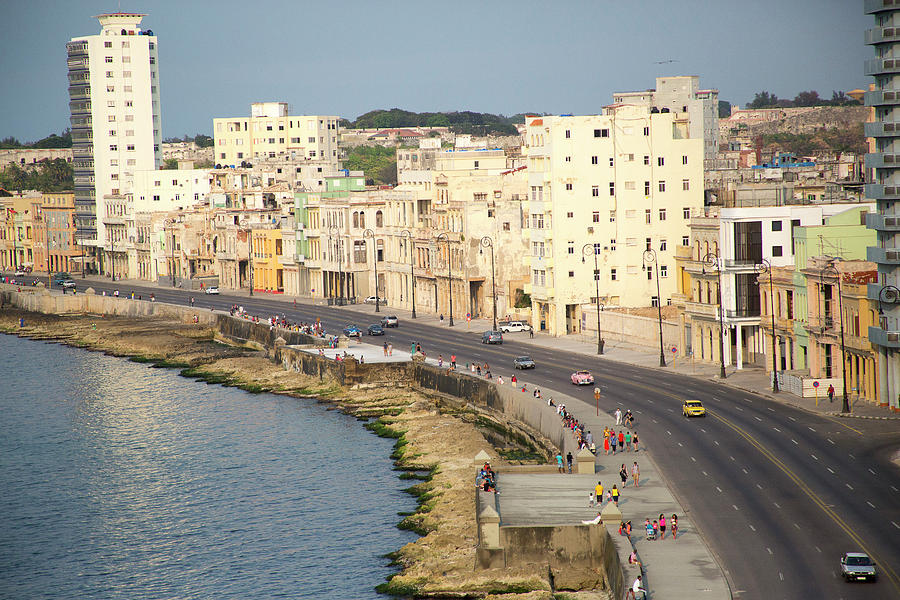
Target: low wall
(621, 327)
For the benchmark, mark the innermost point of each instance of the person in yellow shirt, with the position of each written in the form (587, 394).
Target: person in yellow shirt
(598, 493)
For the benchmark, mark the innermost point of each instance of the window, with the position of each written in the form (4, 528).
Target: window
(776, 251)
(113, 148)
(646, 131)
(685, 240)
(156, 183)
(612, 216)
(506, 226)
(662, 214)
(127, 59)
(130, 147)
(660, 161)
(107, 44)
(109, 59)
(128, 88)
(629, 185)
(596, 274)
(654, 300)
(568, 133)
(601, 133)
(686, 213)
(111, 118)
(685, 184)
(570, 249)
(612, 161)
(595, 190)
(612, 188)
(222, 155)
(595, 217)
(662, 245)
(776, 225)
(568, 187)
(646, 188)
(129, 117)
(110, 103)
(594, 160)
(156, 198)
(648, 243)
(131, 132)
(476, 164)
(631, 158)
(612, 275)
(114, 176)
(126, 73)
(663, 271)
(647, 214)
(110, 88)
(662, 186)
(571, 273)
(174, 182)
(612, 245)
(646, 159)
(112, 132)
(570, 214)
(568, 159)
(684, 160)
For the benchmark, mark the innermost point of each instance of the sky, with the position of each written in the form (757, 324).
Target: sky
(347, 57)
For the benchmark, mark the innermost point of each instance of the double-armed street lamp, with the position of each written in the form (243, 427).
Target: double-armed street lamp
(446, 238)
(412, 276)
(334, 234)
(765, 267)
(369, 234)
(650, 258)
(712, 261)
(585, 251)
(487, 242)
(832, 267)
(171, 223)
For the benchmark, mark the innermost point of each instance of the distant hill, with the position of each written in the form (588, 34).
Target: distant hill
(458, 122)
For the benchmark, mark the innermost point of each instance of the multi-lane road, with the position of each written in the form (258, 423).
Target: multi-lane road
(777, 492)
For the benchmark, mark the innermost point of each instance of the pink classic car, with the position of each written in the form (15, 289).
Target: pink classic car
(582, 378)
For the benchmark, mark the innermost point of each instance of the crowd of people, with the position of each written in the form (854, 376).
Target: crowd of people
(486, 479)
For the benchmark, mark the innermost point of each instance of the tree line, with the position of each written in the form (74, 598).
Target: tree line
(458, 121)
(810, 98)
(51, 141)
(55, 175)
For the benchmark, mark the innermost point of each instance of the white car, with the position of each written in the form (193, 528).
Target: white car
(371, 300)
(213, 290)
(514, 326)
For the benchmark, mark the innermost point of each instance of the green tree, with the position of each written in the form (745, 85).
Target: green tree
(438, 120)
(203, 141)
(763, 100)
(169, 163)
(724, 109)
(810, 98)
(10, 142)
(375, 161)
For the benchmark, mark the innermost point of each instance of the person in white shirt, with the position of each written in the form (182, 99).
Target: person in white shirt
(635, 588)
(618, 416)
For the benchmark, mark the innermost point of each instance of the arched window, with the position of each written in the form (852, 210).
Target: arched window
(698, 250)
(362, 219)
(379, 219)
(355, 219)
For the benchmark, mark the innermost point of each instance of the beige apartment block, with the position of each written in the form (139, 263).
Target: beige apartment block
(611, 186)
(269, 132)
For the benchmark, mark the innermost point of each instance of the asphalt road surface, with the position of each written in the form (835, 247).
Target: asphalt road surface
(778, 493)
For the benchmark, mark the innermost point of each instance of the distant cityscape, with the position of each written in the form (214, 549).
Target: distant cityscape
(659, 210)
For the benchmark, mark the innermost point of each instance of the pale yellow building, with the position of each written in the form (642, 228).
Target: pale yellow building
(618, 183)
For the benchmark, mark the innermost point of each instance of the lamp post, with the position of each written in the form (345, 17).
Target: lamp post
(334, 233)
(650, 258)
(368, 233)
(250, 258)
(585, 250)
(845, 406)
(83, 266)
(412, 276)
(712, 261)
(446, 238)
(167, 223)
(487, 242)
(765, 266)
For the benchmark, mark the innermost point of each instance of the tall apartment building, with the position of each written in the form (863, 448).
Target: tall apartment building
(682, 94)
(622, 182)
(269, 132)
(885, 190)
(115, 117)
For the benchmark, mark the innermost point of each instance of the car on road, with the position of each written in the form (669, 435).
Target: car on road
(491, 337)
(513, 326)
(524, 362)
(390, 321)
(21, 273)
(352, 331)
(857, 566)
(375, 330)
(66, 284)
(60, 277)
(213, 290)
(693, 408)
(371, 300)
(582, 378)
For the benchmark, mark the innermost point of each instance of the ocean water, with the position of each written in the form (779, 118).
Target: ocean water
(122, 481)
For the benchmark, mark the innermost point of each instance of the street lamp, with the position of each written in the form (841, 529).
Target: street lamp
(167, 223)
(412, 276)
(712, 261)
(765, 266)
(335, 233)
(368, 233)
(446, 238)
(591, 249)
(845, 406)
(487, 242)
(650, 258)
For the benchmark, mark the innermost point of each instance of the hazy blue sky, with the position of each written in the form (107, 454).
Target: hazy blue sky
(349, 57)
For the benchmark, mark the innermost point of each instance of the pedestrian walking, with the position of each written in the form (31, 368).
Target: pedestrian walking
(499, 379)
(830, 393)
(635, 474)
(634, 442)
(618, 416)
(442, 318)
(591, 499)
(384, 347)
(390, 349)
(662, 527)
(569, 461)
(559, 463)
(612, 441)
(192, 299)
(606, 445)
(440, 360)
(623, 474)
(531, 332)
(453, 361)
(621, 441)
(674, 525)
(598, 493)
(628, 440)
(513, 380)
(615, 494)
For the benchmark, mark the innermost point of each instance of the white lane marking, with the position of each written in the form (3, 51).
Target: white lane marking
(851, 456)
(776, 429)
(870, 504)
(655, 421)
(669, 432)
(830, 441)
(795, 441)
(640, 412)
(849, 486)
(757, 418)
(649, 400)
(872, 472)
(749, 401)
(720, 489)
(770, 408)
(715, 442)
(814, 457)
(797, 526)
(781, 576)
(735, 507)
(759, 486)
(680, 444)
(777, 505)
(703, 430)
(745, 471)
(894, 523)
(705, 473)
(811, 429)
(739, 408)
(769, 550)
(752, 527)
(792, 419)
(895, 489)
(819, 550)
(732, 458)
(693, 459)
(830, 471)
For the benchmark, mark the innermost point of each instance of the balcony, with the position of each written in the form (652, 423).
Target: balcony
(878, 35)
(874, 6)
(882, 66)
(882, 98)
(699, 309)
(882, 160)
(733, 265)
(882, 222)
(886, 339)
(882, 129)
(883, 256)
(878, 191)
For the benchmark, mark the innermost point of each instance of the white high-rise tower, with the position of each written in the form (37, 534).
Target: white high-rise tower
(115, 116)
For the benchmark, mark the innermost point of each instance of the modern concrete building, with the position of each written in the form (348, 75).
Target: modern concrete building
(682, 94)
(115, 117)
(269, 132)
(885, 190)
(622, 182)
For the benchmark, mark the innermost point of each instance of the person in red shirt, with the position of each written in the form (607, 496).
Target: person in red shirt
(621, 440)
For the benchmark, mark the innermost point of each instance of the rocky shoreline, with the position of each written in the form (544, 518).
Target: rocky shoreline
(436, 440)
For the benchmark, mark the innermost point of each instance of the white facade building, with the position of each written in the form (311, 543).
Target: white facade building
(170, 189)
(115, 117)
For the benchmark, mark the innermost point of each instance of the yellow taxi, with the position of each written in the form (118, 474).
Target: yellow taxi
(693, 408)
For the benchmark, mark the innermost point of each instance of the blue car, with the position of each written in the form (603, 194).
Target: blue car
(352, 331)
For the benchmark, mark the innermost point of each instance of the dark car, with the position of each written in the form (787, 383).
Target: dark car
(352, 331)
(523, 362)
(375, 330)
(390, 321)
(491, 337)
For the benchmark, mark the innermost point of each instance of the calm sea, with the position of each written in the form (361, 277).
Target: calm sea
(122, 481)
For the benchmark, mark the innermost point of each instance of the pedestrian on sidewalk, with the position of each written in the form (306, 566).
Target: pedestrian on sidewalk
(618, 416)
(636, 587)
(612, 441)
(623, 474)
(662, 527)
(621, 441)
(442, 318)
(674, 524)
(591, 499)
(598, 493)
(635, 474)
(830, 393)
(384, 347)
(531, 332)
(453, 361)
(569, 461)
(192, 299)
(390, 349)
(440, 360)
(606, 445)
(628, 440)
(559, 463)
(634, 441)
(513, 380)
(499, 379)
(615, 494)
